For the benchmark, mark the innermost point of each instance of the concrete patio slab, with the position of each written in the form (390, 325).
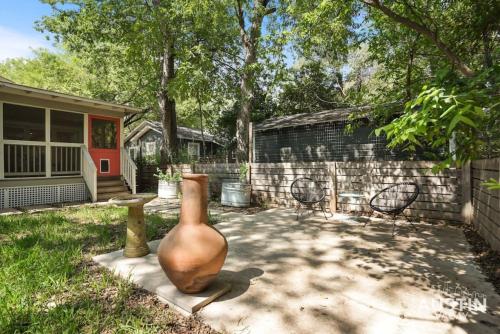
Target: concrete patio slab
(337, 276)
(317, 276)
(147, 273)
(163, 206)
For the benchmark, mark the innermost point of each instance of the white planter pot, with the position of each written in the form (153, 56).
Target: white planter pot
(168, 190)
(236, 194)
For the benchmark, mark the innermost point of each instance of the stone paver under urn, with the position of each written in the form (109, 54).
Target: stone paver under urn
(135, 245)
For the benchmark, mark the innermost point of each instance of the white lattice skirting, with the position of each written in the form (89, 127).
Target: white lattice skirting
(14, 197)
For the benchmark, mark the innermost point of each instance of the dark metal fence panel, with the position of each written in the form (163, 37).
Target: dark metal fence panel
(322, 142)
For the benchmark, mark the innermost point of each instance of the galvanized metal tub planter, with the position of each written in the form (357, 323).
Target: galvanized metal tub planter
(168, 190)
(236, 194)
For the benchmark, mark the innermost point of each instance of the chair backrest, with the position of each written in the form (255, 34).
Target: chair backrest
(396, 198)
(306, 190)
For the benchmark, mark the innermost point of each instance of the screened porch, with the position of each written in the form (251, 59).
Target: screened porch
(40, 142)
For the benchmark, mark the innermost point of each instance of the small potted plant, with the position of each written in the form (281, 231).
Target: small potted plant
(168, 183)
(237, 194)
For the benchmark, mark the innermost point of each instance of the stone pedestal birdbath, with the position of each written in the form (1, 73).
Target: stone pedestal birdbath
(135, 244)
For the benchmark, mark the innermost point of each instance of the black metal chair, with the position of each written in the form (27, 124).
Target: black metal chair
(394, 200)
(307, 193)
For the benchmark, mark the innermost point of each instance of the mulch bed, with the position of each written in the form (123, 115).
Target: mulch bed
(487, 258)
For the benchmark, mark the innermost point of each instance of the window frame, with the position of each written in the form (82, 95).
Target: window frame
(197, 149)
(92, 136)
(21, 141)
(100, 166)
(150, 148)
(46, 142)
(84, 127)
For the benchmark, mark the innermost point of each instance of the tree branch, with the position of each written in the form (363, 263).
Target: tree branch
(241, 22)
(452, 57)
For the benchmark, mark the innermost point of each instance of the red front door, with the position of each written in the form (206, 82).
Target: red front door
(104, 144)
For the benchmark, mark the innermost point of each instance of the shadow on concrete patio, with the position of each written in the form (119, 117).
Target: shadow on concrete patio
(240, 281)
(340, 277)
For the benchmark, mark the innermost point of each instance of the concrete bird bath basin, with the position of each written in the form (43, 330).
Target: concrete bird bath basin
(135, 244)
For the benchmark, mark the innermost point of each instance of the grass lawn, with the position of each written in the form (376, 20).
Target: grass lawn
(49, 284)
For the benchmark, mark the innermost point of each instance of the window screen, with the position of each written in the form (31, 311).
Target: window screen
(66, 127)
(194, 149)
(150, 148)
(103, 134)
(23, 123)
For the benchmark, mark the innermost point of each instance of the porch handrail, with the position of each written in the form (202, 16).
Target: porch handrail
(89, 173)
(128, 169)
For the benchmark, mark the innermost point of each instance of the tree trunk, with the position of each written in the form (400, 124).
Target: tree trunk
(488, 60)
(200, 110)
(243, 117)
(167, 105)
(250, 42)
(409, 69)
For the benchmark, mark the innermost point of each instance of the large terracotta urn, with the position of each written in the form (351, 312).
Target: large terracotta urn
(193, 252)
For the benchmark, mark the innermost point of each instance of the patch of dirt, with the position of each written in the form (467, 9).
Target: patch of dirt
(487, 258)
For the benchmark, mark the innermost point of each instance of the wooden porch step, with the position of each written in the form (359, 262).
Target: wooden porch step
(111, 189)
(109, 183)
(110, 186)
(109, 178)
(107, 196)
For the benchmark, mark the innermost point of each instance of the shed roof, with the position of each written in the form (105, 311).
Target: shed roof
(327, 116)
(182, 132)
(9, 88)
(4, 79)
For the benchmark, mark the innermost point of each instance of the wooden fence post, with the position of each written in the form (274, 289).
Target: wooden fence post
(333, 187)
(467, 208)
(250, 142)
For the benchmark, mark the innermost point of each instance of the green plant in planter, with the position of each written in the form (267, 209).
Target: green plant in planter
(168, 177)
(244, 168)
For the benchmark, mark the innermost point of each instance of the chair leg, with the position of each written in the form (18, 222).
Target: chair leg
(393, 226)
(298, 210)
(323, 209)
(297, 207)
(413, 225)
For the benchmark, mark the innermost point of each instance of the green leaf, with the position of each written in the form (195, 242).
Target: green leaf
(468, 121)
(460, 118)
(453, 123)
(492, 184)
(449, 110)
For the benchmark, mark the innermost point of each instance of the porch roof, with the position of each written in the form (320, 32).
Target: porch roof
(12, 89)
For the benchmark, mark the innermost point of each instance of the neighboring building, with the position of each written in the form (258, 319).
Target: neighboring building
(60, 148)
(145, 141)
(319, 137)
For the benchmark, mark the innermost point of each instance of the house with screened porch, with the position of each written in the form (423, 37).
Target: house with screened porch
(57, 148)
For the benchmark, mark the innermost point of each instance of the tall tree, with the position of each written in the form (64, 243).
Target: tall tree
(253, 12)
(60, 72)
(152, 38)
